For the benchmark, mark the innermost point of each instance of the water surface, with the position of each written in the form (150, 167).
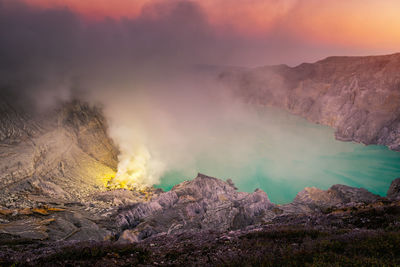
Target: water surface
(281, 154)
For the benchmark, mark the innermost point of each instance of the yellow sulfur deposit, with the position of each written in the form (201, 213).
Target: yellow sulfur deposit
(136, 171)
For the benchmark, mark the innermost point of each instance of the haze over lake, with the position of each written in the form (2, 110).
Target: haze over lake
(282, 153)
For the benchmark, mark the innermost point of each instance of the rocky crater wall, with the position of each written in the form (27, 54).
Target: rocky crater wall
(357, 96)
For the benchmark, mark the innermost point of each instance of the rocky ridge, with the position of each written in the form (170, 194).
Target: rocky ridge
(207, 203)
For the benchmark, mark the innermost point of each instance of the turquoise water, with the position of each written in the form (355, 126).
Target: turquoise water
(281, 154)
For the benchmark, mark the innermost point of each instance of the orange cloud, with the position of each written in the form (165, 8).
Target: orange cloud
(365, 23)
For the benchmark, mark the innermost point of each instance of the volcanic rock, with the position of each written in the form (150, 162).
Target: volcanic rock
(61, 158)
(203, 203)
(65, 154)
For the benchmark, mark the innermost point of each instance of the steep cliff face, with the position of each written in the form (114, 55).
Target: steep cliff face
(65, 154)
(53, 170)
(358, 96)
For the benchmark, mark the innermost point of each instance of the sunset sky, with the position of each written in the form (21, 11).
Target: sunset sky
(148, 63)
(366, 24)
(255, 32)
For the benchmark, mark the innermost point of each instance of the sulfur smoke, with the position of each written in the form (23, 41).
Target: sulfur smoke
(170, 127)
(152, 74)
(156, 77)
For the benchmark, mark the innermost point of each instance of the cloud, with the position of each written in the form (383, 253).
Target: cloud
(151, 72)
(142, 70)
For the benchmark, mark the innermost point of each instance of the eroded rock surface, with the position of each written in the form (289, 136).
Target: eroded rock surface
(53, 168)
(66, 154)
(207, 203)
(203, 203)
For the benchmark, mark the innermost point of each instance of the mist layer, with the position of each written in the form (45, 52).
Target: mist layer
(281, 154)
(154, 76)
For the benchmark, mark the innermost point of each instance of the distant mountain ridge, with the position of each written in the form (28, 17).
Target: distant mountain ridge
(358, 96)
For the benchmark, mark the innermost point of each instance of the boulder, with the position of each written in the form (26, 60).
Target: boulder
(394, 190)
